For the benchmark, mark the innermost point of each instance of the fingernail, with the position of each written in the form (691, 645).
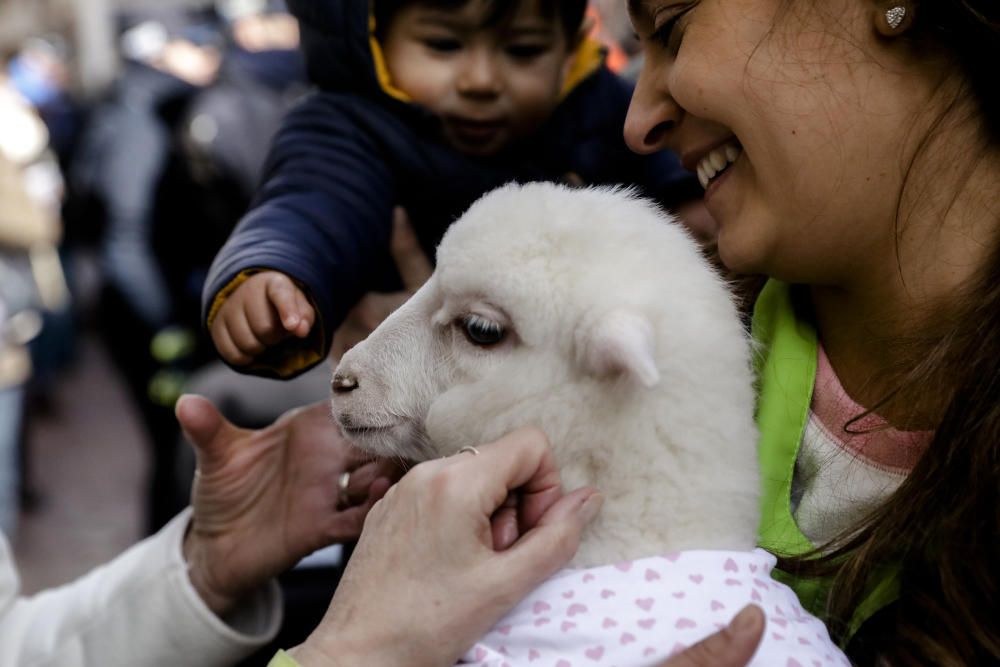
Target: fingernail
(590, 507)
(744, 622)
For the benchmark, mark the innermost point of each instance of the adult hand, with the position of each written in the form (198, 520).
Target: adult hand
(733, 646)
(414, 269)
(425, 580)
(264, 499)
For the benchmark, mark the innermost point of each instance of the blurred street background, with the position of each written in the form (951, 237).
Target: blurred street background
(132, 134)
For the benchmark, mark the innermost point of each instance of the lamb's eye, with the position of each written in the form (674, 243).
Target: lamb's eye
(481, 331)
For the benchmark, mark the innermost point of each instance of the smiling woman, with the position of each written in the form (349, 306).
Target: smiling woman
(850, 150)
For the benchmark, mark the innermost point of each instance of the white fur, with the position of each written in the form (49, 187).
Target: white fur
(622, 344)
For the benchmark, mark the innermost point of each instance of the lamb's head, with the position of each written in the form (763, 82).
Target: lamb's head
(583, 312)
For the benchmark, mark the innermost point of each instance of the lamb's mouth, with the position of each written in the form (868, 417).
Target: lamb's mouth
(366, 430)
(402, 439)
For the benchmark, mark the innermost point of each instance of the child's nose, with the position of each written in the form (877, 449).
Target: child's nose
(478, 75)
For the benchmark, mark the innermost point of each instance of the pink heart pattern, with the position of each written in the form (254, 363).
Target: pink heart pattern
(699, 599)
(540, 606)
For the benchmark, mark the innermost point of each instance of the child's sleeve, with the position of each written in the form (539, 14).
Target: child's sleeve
(322, 216)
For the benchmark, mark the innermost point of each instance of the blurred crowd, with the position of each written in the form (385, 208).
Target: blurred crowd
(143, 183)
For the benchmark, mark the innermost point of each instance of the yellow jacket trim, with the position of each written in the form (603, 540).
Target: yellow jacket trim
(589, 56)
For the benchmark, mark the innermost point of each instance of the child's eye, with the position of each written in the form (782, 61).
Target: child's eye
(443, 44)
(526, 51)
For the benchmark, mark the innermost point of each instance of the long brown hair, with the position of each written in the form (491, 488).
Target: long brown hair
(942, 525)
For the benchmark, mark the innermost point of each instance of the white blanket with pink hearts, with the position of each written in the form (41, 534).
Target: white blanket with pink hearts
(640, 612)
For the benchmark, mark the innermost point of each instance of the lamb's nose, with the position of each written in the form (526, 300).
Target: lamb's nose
(341, 384)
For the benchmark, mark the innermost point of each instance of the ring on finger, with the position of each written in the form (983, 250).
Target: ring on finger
(343, 482)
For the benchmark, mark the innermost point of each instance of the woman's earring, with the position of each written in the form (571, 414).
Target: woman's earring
(894, 16)
(895, 19)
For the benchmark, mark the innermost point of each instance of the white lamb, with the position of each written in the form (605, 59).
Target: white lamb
(590, 314)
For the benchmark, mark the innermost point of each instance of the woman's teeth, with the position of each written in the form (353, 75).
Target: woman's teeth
(716, 162)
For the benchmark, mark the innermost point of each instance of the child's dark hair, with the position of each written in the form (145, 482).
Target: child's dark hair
(569, 12)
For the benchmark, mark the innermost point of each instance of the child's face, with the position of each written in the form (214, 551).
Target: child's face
(812, 118)
(489, 85)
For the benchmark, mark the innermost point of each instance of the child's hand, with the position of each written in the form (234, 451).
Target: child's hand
(265, 310)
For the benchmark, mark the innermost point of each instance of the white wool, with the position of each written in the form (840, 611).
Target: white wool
(622, 344)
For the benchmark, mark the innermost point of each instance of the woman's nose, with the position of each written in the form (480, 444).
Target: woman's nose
(651, 115)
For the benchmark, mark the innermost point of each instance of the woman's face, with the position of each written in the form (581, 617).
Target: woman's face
(799, 118)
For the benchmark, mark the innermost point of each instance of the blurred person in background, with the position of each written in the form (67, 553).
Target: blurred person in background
(31, 279)
(170, 159)
(169, 54)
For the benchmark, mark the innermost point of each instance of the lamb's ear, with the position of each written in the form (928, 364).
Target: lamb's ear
(619, 342)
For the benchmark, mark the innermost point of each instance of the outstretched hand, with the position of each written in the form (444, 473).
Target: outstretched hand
(264, 499)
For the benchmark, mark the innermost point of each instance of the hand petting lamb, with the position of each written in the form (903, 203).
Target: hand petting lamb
(590, 314)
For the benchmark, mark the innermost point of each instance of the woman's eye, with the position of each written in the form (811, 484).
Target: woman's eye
(481, 331)
(526, 51)
(668, 34)
(443, 44)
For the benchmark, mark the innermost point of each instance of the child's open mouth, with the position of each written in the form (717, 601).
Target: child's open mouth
(469, 131)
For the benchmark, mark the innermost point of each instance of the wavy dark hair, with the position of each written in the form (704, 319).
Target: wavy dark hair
(942, 525)
(569, 12)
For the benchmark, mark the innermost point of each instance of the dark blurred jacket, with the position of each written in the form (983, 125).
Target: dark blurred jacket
(352, 151)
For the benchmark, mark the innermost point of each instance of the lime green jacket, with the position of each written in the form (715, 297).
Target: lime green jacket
(786, 373)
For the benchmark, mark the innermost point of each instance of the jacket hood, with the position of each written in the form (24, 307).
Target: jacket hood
(342, 54)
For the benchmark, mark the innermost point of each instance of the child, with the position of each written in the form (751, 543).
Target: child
(426, 104)
(851, 151)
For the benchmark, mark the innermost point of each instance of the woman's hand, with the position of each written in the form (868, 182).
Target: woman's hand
(265, 499)
(733, 646)
(426, 579)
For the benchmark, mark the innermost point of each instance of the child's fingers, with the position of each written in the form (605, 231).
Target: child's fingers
(294, 312)
(244, 337)
(225, 345)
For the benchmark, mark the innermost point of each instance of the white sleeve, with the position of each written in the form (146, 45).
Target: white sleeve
(139, 609)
